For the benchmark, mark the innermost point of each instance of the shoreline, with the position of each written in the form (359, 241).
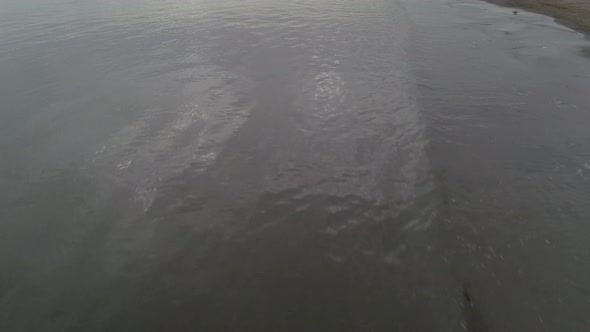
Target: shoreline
(574, 14)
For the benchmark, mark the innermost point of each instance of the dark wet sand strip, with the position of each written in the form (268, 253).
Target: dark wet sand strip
(572, 13)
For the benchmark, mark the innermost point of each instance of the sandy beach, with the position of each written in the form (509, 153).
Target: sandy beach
(572, 13)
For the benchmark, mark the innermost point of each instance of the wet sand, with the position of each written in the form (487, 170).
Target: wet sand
(572, 13)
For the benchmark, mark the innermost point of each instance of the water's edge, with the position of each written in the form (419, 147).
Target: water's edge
(570, 15)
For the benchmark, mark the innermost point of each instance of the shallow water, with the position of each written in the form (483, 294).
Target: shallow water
(258, 165)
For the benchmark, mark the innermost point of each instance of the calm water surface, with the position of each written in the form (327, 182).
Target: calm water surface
(303, 165)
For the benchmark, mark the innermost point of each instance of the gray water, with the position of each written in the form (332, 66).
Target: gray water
(302, 165)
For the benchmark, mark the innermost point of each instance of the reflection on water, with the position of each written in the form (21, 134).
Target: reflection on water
(290, 165)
